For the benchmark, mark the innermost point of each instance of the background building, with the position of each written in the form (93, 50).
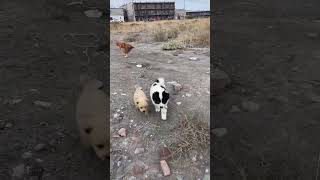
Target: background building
(117, 15)
(197, 14)
(180, 14)
(149, 11)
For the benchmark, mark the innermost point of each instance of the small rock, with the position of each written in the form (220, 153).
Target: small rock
(132, 178)
(42, 104)
(26, 155)
(137, 170)
(136, 139)
(250, 106)
(314, 97)
(312, 35)
(188, 95)
(15, 101)
(235, 109)
(116, 116)
(123, 94)
(207, 171)
(139, 150)
(39, 147)
(93, 13)
(220, 81)
(122, 132)
(139, 65)
(39, 160)
(176, 87)
(147, 133)
(18, 171)
(219, 132)
(194, 59)
(115, 93)
(179, 177)
(178, 103)
(8, 125)
(165, 168)
(34, 90)
(52, 142)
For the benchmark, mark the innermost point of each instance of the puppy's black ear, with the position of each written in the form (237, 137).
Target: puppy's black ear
(157, 81)
(165, 97)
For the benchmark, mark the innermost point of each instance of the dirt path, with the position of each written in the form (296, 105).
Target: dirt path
(270, 49)
(151, 130)
(37, 63)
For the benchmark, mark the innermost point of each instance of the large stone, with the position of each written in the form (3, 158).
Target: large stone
(220, 81)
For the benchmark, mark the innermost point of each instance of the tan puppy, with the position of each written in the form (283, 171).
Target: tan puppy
(92, 116)
(140, 100)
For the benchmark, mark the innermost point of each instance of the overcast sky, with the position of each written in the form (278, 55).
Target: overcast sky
(190, 4)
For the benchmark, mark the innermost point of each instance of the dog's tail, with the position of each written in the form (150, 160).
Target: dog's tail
(160, 80)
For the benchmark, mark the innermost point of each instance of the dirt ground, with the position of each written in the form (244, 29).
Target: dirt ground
(39, 63)
(150, 132)
(270, 49)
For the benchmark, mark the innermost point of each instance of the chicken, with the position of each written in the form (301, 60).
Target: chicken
(125, 47)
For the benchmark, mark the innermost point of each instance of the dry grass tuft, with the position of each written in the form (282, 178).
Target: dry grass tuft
(191, 33)
(173, 45)
(192, 134)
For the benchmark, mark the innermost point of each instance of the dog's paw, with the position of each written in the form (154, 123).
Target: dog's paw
(157, 110)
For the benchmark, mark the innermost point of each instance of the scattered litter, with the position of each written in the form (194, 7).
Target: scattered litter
(188, 95)
(93, 13)
(42, 104)
(139, 65)
(115, 93)
(179, 103)
(123, 94)
(122, 132)
(165, 168)
(194, 59)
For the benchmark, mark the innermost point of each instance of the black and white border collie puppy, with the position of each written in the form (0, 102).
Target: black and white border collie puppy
(160, 97)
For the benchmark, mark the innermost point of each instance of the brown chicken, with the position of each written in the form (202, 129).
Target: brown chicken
(126, 48)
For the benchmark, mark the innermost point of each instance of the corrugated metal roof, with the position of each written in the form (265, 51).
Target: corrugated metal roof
(116, 12)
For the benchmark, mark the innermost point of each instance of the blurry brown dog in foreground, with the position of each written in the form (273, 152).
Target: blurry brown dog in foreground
(126, 48)
(140, 100)
(92, 116)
